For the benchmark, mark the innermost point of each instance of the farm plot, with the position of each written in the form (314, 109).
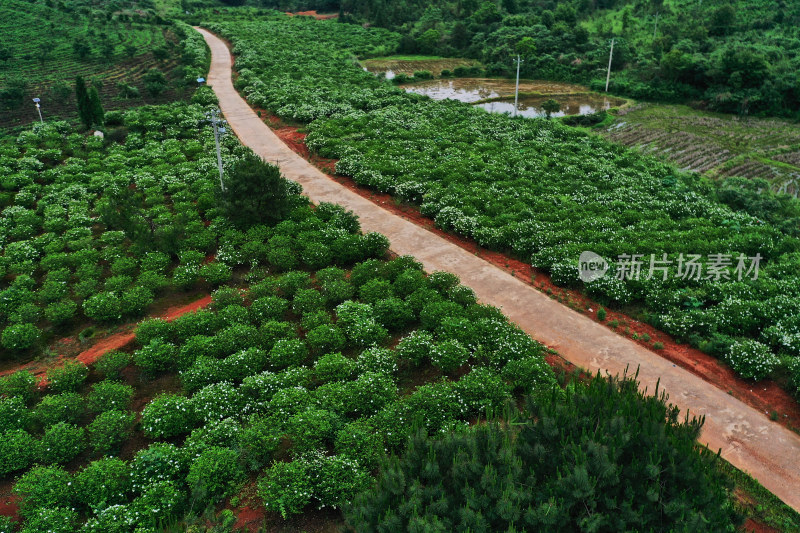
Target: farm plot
(541, 191)
(317, 352)
(718, 145)
(47, 47)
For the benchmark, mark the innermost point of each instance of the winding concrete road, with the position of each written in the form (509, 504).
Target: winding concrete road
(746, 437)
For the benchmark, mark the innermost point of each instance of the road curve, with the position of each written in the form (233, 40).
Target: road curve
(748, 440)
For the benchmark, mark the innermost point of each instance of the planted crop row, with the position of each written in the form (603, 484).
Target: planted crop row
(536, 189)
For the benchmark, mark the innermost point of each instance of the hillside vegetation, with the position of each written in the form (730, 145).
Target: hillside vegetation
(737, 56)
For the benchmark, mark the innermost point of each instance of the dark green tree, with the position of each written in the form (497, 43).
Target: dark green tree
(81, 47)
(155, 82)
(597, 457)
(256, 192)
(96, 108)
(84, 105)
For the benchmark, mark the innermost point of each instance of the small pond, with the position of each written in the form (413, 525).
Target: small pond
(574, 99)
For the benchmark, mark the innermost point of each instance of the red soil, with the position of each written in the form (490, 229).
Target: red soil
(766, 396)
(313, 14)
(116, 341)
(751, 526)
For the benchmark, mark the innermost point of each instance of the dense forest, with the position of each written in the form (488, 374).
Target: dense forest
(733, 56)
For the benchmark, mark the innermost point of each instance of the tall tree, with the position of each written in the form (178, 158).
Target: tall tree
(95, 107)
(84, 106)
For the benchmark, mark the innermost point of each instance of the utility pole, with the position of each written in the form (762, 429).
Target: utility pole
(38, 109)
(655, 27)
(516, 89)
(215, 122)
(610, 55)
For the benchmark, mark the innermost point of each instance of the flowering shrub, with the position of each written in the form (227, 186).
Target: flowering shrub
(21, 384)
(268, 308)
(360, 441)
(288, 352)
(67, 378)
(103, 306)
(286, 488)
(52, 520)
(216, 273)
(416, 347)
(103, 483)
(157, 356)
(111, 364)
(215, 474)
(61, 443)
(168, 415)
(17, 450)
(44, 487)
(378, 360)
(448, 355)
(109, 430)
(217, 401)
(109, 395)
(156, 463)
(312, 429)
(334, 367)
(19, 337)
(751, 359)
(13, 414)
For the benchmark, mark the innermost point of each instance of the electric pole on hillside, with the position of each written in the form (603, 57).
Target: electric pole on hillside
(214, 119)
(655, 27)
(610, 55)
(516, 89)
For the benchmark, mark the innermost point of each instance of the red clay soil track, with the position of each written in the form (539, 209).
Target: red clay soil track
(116, 341)
(745, 437)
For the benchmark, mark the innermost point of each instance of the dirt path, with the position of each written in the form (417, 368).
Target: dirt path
(748, 440)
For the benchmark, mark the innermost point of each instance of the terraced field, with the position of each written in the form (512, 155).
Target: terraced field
(40, 41)
(712, 143)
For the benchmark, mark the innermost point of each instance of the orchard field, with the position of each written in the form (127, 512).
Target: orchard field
(536, 189)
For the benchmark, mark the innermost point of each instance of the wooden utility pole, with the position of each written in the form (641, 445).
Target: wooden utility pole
(610, 55)
(516, 89)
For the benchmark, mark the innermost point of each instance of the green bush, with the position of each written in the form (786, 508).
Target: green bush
(258, 440)
(21, 384)
(288, 352)
(360, 441)
(110, 395)
(154, 328)
(52, 519)
(158, 462)
(286, 488)
(751, 359)
(448, 355)
(334, 367)
(216, 273)
(136, 300)
(336, 480)
(215, 474)
(326, 338)
(307, 301)
(60, 312)
(19, 337)
(61, 443)
(13, 414)
(103, 483)
(312, 429)
(109, 430)
(17, 450)
(44, 487)
(217, 401)
(416, 347)
(156, 357)
(67, 378)
(268, 308)
(65, 407)
(103, 306)
(167, 416)
(111, 364)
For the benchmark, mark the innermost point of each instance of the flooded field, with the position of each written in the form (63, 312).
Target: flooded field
(574, 99)
(571, 104)
(408, 65)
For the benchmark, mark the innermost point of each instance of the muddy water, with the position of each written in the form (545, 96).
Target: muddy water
(574, 99)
